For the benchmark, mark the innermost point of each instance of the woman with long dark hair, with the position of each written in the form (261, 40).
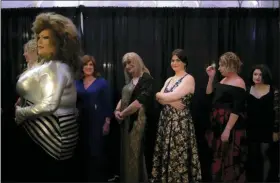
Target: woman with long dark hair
(263, 124)
(176, 155)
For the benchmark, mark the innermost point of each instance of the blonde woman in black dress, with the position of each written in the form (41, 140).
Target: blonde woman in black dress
(226, 137)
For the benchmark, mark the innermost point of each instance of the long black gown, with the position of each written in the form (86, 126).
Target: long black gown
(263, 119)
(229, 159)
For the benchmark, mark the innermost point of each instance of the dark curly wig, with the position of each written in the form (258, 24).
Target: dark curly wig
(67, 42)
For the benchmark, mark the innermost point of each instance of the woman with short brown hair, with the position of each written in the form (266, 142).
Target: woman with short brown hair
(88, 59)
(95, 113)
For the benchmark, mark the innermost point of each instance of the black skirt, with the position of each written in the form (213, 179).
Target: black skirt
(33, 164)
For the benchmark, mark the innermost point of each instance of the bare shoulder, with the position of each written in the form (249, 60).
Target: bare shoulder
(223, 81)
(240, 83)
(189, 83)
(168, 80)
(189, 79)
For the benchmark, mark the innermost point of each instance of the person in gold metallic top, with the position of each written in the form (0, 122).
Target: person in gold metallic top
(48, 114)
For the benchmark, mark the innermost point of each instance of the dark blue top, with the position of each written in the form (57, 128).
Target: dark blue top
(94, 106)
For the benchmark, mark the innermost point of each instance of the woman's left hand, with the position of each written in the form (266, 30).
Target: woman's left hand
(225, 135)
(106, 127)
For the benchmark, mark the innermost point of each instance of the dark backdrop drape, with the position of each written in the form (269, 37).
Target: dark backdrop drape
(16, 31)
(108, 33)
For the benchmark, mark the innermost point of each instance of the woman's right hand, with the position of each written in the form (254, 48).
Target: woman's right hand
(178, 105)
(118, 115)
(211, 71)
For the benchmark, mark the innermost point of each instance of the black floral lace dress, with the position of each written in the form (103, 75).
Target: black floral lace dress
(176, 155)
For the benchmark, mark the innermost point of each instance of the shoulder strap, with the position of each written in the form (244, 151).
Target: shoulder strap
(177, 82)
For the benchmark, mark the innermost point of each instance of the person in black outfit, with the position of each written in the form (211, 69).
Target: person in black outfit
(227, 135)
(263, 124)
(133, 112)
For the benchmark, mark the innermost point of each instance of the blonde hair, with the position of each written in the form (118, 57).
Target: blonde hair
(31, 45)
(134, 57)
(231, 61)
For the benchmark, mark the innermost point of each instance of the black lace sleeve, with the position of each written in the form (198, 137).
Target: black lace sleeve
(276, 111)
(146, 90)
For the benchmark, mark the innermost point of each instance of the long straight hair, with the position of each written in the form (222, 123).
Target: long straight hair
(134, 57)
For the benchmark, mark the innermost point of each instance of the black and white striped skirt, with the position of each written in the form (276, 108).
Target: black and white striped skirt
(56, 134)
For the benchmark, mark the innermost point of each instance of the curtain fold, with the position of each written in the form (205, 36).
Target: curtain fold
(154, 32)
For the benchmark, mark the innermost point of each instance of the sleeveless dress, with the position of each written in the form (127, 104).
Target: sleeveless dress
(176, 155)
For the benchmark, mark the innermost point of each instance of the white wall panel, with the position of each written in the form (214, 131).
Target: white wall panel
(132, 3)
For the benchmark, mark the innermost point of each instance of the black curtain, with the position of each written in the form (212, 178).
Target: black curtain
(204, 33)
(16, 31)
(108, 33)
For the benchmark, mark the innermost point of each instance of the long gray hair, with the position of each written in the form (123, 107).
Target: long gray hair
(134, 57)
